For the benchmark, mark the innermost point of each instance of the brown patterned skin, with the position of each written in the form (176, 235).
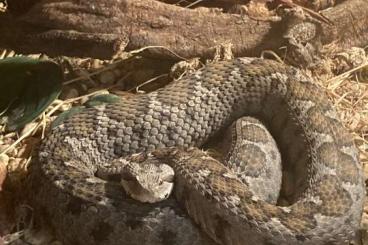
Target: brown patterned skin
(85, 209)
(248, 149)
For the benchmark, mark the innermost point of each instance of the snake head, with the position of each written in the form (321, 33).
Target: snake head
(148, 182)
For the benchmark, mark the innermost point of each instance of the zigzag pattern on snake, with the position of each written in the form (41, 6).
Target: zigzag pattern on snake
(83, 208)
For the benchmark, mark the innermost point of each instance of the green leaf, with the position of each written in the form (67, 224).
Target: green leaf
(27, 87)
(65, 115)
(102, 99)
(92, 102)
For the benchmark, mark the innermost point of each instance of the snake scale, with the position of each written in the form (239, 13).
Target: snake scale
(170, 123)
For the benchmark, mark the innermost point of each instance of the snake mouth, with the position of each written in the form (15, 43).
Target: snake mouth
(127, 176)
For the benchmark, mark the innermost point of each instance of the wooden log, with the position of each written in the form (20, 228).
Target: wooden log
(103, 28)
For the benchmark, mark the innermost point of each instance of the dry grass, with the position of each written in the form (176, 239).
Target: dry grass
(349, 92)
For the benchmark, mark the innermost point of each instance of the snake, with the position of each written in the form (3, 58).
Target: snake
(170, 126)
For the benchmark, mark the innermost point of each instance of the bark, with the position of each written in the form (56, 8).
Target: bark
(100, 29)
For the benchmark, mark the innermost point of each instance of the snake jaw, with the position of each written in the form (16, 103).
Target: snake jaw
(148, 182)
(140, 193)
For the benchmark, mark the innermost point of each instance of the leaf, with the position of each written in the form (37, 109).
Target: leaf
(102, 99)
(65, 115)
(27, 87)
(92, 102)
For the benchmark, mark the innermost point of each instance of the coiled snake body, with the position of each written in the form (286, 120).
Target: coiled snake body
(327, 201)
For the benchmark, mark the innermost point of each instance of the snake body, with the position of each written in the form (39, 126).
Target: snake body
(326, 204)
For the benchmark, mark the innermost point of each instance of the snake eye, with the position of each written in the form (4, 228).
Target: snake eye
(169, 178)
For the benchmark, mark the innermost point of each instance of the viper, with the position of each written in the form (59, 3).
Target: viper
(166, 127)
